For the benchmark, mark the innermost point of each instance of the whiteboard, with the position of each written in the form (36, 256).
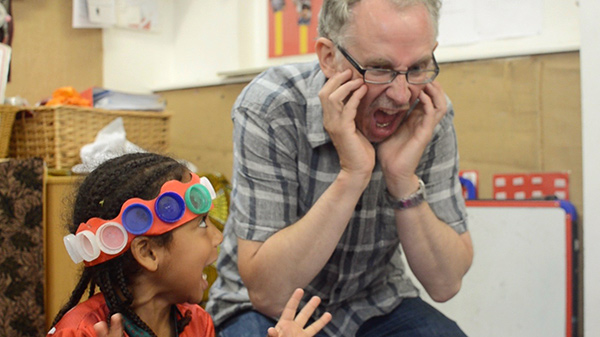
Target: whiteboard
(520, 283)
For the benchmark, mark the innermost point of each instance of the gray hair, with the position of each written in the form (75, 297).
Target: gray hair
(336, 14)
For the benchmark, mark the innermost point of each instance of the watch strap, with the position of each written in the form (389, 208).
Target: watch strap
(412, 200)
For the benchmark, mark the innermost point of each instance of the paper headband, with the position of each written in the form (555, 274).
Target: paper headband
(99, 240)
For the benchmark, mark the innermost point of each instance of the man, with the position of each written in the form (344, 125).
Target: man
(332, 160)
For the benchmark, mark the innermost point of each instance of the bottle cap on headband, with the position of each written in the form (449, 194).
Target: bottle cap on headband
(99, 240)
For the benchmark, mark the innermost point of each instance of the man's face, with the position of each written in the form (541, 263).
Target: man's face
(384, 37)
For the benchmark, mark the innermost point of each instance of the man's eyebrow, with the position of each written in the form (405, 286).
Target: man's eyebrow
(384, 63)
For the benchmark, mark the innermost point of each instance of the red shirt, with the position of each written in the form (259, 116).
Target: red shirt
(79, 321)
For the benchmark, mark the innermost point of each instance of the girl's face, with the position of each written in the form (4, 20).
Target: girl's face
(194, 247)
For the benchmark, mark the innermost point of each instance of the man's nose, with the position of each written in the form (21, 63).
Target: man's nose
(398, 90)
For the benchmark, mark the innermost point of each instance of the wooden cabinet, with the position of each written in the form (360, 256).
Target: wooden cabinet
(61, 272)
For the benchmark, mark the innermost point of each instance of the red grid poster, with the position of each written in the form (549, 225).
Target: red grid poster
(293, 26)
(537, 185)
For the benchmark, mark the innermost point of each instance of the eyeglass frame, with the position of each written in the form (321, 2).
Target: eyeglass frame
(395, 73)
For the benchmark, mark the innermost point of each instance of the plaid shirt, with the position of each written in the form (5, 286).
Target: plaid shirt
(283, 162)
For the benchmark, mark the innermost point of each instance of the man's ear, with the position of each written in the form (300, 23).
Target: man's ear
(145, 253)
(325, 50)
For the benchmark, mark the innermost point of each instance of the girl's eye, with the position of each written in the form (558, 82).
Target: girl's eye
(202, 223)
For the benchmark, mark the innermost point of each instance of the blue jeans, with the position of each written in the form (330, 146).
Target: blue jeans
(412, 318)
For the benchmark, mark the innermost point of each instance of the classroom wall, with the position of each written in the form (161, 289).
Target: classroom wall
(48, 53)
(194, 41)
(199, 41)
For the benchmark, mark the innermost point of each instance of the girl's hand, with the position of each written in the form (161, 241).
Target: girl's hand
(288, 326)
(116, 327)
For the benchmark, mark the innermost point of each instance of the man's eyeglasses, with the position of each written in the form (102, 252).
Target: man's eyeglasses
(385, 76)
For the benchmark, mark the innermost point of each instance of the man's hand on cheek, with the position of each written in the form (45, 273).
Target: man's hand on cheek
(340, 98)
(400, 154)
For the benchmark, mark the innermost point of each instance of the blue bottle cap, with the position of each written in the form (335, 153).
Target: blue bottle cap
(169, 207)
(137, 219)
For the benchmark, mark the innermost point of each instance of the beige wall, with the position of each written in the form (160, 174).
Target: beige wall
(48, 53)
(512, 115)
(201, 127)
(518, 115)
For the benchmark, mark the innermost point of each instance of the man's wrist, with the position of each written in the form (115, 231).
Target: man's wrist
(410, 201)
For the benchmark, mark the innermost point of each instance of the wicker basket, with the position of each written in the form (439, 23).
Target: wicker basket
(57, 133)
(7, 118)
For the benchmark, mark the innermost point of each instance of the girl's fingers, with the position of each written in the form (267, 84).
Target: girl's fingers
(318, 324)
(306, 312)
(292, 305)
(115, 330)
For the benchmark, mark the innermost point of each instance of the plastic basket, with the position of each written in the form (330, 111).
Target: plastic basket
(57, 133)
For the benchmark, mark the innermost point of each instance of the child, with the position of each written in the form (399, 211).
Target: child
(140, 226)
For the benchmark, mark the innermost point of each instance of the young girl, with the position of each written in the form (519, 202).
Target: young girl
(140, 226)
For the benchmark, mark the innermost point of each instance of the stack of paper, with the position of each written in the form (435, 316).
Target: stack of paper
(118, 100)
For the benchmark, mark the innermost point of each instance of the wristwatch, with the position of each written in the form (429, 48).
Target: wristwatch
(408, 202)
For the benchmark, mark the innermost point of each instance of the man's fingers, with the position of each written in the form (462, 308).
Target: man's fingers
(344, 93)
(354, 100)
(338, 89)
(334, 83)
(436, 94)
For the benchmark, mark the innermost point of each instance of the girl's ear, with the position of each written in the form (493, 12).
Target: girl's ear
(145, 253)
(325, 50)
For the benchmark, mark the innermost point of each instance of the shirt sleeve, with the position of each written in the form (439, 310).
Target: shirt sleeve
(438, 168)
(264, 199)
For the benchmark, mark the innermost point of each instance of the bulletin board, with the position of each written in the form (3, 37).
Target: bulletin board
(292, 26)
(522, 281)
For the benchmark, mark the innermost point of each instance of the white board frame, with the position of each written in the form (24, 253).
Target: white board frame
(522, 281)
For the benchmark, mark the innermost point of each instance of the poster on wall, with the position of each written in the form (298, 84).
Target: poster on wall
(292, 26)
(140, 15)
